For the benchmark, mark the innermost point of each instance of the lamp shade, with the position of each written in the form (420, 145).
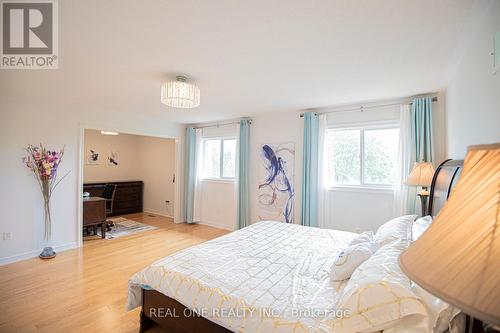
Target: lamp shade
(458, 258)
(421, 175)
(180, 94)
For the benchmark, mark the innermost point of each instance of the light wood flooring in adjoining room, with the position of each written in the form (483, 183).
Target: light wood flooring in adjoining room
(85, 290)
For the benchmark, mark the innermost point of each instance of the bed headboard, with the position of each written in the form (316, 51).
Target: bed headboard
(445, 178)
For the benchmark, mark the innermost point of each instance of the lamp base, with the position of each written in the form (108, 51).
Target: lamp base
(423, 203)
(47, 253)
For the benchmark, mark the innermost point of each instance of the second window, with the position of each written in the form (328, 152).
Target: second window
(362, 156)
(219, 158)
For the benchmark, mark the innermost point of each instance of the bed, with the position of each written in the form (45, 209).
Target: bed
(268, 277)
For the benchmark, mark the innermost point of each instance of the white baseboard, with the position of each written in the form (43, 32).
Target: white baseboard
(33, 254)
(157, 212)
(216, 225)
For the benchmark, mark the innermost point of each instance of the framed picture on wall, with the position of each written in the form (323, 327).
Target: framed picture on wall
(93, 157)
(113, 158)
(276, 182)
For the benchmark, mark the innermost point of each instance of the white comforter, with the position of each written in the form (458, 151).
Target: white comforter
(268, 277)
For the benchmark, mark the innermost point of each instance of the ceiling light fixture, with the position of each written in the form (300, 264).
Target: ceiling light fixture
(109, 133)
(180, 94)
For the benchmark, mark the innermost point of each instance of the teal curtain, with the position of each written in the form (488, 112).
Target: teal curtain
(421, 130)
(310, 170)
(243, 169)
(422, 142)
(190, 174)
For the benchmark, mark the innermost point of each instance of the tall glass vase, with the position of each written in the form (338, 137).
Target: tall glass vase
(47, 252)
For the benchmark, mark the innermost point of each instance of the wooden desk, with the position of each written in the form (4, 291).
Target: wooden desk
(94, 213)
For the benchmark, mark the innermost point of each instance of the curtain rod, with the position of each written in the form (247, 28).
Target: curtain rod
(219, 124)
(364, 108)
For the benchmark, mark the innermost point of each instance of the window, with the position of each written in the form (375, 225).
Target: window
(219, 158)
(363, 157)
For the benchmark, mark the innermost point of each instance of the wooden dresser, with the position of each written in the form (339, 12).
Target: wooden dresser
(128, 196)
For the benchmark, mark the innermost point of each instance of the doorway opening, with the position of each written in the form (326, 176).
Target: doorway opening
(128, 184)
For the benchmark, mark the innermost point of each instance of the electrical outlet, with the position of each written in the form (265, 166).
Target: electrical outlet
(7, 235)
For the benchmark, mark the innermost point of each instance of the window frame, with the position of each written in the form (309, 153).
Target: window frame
(221, 140)
(362, 128)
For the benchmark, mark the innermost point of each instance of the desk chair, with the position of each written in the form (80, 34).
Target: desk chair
(109, 195)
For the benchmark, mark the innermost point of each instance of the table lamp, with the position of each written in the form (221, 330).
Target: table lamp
(421, 175)
(458, 258)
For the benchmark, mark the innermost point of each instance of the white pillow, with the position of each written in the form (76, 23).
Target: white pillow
(440, 313)
(364, 237)
(348, 260)
(379, 296)
(359, 250)
(396, 229)
(420, 226)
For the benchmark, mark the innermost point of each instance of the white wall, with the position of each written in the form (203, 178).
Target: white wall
(218, 204)
(473, 95)
(357, 210)
(156, 169)
(439, 128)
(54, 123)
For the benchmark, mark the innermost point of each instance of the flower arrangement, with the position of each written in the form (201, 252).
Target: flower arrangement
(44, 164)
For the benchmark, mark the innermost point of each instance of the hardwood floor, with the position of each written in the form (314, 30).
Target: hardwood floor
(85, 290)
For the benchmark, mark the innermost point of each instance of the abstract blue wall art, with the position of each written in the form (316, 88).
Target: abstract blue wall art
(276, 182)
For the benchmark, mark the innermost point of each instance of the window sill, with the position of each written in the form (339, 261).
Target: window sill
(365, 189)
(218, 180)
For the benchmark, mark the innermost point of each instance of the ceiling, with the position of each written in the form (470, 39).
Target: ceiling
(248, 57)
